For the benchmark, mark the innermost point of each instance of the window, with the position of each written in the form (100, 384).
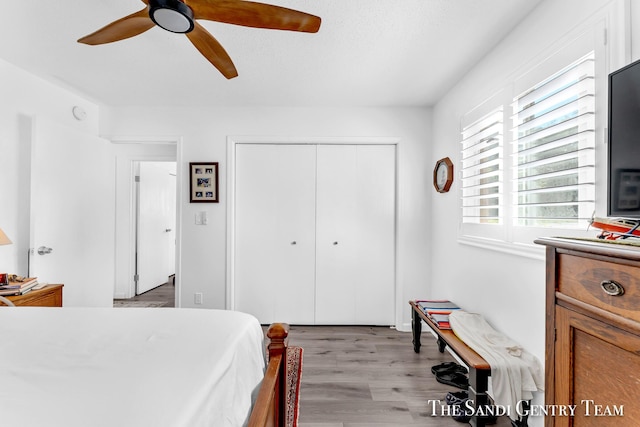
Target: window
(533, 146)
(540, 173)
(482, 170)
(554, 149)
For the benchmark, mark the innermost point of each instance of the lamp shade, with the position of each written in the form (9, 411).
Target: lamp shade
(4, 240)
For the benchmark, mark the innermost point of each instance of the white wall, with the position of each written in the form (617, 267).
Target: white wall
(204, 135)
(507, 288)
(21, 96)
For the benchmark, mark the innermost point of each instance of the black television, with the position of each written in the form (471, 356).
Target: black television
(623, 179)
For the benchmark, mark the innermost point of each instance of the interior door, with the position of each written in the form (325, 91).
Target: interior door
(155, 251)
(355, 266)
(72, 213)
(375, 230)
(275, 232)
(337, 245)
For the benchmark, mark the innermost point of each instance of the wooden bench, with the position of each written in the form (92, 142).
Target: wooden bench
(479, 369)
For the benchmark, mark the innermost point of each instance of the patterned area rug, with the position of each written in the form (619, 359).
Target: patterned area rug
(127, 303)
(294, 377)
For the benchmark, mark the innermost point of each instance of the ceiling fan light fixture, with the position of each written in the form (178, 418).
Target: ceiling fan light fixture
(171, 15)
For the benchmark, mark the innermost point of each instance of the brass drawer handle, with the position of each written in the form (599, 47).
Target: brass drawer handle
(612, 288)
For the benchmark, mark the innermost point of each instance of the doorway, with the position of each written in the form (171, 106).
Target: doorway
(130, 156)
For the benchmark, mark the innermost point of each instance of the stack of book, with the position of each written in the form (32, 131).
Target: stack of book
(438, 311)
(18, 287)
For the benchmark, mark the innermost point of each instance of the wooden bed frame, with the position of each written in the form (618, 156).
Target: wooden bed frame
(269, 409)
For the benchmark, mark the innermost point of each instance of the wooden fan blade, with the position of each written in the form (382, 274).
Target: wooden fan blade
(211, 49)
(123, 28)
(251, 14)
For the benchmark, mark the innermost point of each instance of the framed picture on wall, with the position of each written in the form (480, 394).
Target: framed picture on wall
(203, 182)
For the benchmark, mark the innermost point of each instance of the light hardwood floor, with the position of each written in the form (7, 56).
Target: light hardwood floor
(165, 292)
(358, 376)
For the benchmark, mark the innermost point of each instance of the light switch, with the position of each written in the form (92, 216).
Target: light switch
(201, 218)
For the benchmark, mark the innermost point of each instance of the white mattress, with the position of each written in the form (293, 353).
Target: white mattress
(118, 367)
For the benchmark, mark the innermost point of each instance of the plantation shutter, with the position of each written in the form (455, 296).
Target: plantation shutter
(554, 148)
(482, 170)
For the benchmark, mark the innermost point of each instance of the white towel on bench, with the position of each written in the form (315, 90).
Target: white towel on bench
(515, 373)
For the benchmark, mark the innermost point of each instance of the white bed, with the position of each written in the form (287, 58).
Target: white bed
(118, 367)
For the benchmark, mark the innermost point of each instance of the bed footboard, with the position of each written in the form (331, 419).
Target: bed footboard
(270, 405)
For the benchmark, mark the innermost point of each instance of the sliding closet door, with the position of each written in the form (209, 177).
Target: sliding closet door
(275, 232)
(355, 234)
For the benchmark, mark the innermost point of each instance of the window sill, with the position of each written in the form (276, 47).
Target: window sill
(531, 250)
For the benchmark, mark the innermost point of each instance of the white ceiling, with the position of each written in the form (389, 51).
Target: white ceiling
(367, 53)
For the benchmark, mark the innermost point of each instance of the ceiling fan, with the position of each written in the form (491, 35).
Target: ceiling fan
(179, 16)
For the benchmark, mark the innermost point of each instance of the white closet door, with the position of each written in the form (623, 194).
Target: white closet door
(275, 232)
(375, 287)
(336, 239)
(355, 263)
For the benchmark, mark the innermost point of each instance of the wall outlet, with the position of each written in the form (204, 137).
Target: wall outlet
(197, 298)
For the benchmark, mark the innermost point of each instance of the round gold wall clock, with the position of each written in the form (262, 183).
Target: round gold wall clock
(443, 175)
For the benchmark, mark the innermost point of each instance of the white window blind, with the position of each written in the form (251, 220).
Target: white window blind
(482, 170)
(554, 149)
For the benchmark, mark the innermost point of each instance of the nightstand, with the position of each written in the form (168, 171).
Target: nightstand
(49, 296)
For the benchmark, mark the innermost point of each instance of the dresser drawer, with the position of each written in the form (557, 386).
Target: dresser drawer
(582, 279)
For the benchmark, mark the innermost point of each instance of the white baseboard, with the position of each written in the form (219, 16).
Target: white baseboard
(404, 327)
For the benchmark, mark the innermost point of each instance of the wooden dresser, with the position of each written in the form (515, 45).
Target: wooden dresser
(592, 332)
(49, 296)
